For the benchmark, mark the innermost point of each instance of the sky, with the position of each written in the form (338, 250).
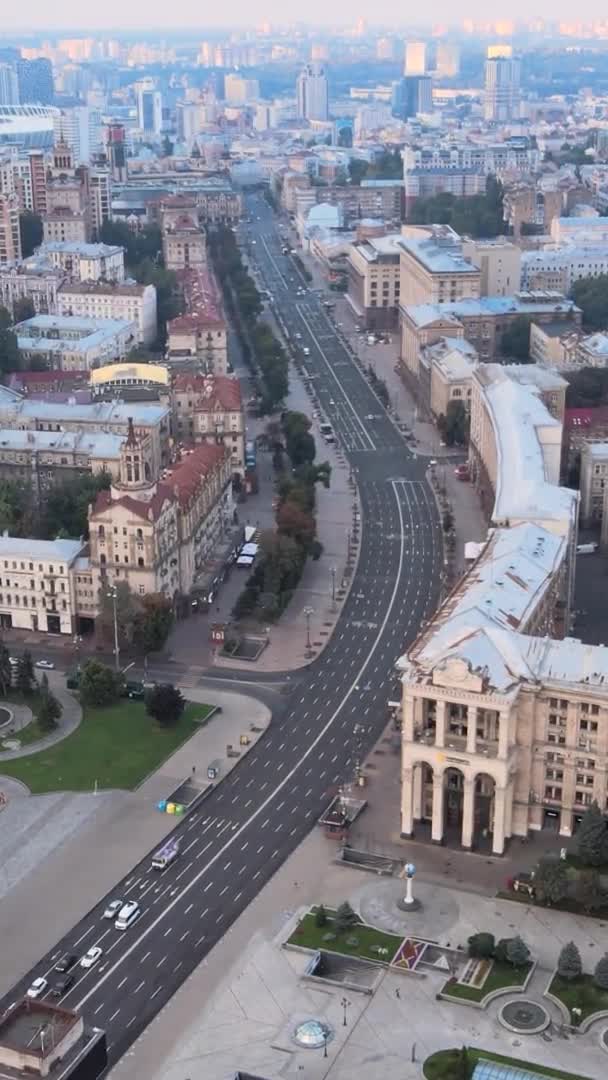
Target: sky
(118, 14)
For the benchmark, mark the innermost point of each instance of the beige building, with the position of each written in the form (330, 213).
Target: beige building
(593, 486)
(374, 281)
(208, 408)
(184, 240)
(198, 339)
(446, 373)
(433, 267)
(504, 725)
(68, 204)
(126, 301)
(37, 584)
(10, 236)
(499, 263)
(158, 535)
(40, 459)
(554, 345)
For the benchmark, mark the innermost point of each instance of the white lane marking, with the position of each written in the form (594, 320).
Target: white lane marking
(113, 1016)
(122, 983)
(280, 786)
(138, 988)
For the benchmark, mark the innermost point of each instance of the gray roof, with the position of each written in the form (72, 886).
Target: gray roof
(26, 548)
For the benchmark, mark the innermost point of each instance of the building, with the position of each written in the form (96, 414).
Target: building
(502, 95)
(447, 60)
(198, 340)
(9, 86)
(75, 343)
(555, 345)
(38, 459)
(35, 78)
(415, 58)
(37, 591)
(68, 210)
(123, 301)
(81, 129)
(433, 267)
(559, 268)
(27, 126)
(312, 92)
(427, 183)
(446, 374)
(159, 535)
(18, 283)
(582, 231)
(411, 95)
(594, 473)
(72, 1050)
(374, 281)
(499, 263)
(149, 109)
(10, 236)
(208, 408)
(81, 262)
(116, 152)
(130, 381)
(100, 198)
(239, 90)
(184, 241)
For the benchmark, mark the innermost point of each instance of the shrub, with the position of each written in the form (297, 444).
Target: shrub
(500, 952)
(320, 917)
(345, 917)
(592, 837)
(481, 946)
(518, 953)
(600, 975)
(569, 964)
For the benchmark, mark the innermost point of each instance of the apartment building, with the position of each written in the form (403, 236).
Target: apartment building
(559, 268)
(122, 301)
(505, 725)
(499, 264)
(594, 474)
(184, 241)
(38, 459)
(18, 283)
(37, 584)
(445, 374)
(198, 339)
(80, 262)
(374, 281)
(433, 267)
(10, 237)
(209, 408)
(74, 343)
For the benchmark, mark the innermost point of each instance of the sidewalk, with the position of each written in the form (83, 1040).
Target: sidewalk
(68, 722)
(44, 838)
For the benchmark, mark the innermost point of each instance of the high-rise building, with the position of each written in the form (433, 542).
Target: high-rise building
(240, 91)
(415, 58)
(149, 108)
(502, 91)
(313, 93)
(447, 63)
(10, 239)
(9, 86)
(116, 152)
(385, 48)
(35, 80)
(412, 94)
(81, 129)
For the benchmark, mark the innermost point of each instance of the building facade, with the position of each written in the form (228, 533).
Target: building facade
(37, 584)
(374, 281)
(74, 343)
(433, 267)
(126, 302)
(208, 408)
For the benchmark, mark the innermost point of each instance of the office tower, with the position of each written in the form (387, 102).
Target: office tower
(312, 93)
(9, 86)
(149, 108)
(38, 181)
(81, 129)
(412, 94)
(240, 91)
(447, 64)
(100, 195)
(116, 152)
(35, 79)
(385, 49)
(502, 93)
(415, 58)
(10, 238)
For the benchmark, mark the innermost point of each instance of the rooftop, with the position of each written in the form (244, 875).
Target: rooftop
(73, 247)
(523, 303)
(102, 412)
(455, 357)
(440, 252)
(104, 288)
(48, 550)
(24, 1026)
(203, 302)
(212, 392)
(98, 444)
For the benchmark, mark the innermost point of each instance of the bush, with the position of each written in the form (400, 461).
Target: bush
(320, 917)
(569, 964)
(500, 952)
(99, 685)
(592, 837)
(345, 918)
(551, 880)
(518, 953)
(600, 975)
(481, 946)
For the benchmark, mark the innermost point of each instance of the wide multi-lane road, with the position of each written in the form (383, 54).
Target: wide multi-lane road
(239, 836)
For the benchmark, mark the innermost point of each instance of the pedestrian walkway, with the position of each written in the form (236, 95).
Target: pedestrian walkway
(69, 720)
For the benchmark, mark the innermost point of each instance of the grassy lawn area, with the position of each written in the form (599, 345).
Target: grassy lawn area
(445, 1065)
(582, 994)
(117, 747)
(309, 936)
(501, 975)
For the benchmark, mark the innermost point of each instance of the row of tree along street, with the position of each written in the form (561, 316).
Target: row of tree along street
(284, 550)
(19, 683)
(259, 345)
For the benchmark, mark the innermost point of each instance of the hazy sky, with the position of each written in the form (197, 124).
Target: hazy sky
(178, 13)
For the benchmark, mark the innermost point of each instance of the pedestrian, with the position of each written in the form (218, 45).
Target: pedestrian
(397, 992)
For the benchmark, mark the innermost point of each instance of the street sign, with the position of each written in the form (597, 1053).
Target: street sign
(218, 633)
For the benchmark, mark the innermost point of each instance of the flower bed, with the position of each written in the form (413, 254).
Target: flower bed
(499, 977)
(581, 993)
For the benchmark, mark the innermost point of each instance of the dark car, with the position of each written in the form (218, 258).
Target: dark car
(62, 986)
(66, 962)
(524, 883)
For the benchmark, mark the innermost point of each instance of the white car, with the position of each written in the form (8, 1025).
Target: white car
(48, 665)
(306, 351)
(91, 957)
(13, 661)
(37, 988)
(112, 909)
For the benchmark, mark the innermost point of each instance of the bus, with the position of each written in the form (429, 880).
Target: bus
(165, 855)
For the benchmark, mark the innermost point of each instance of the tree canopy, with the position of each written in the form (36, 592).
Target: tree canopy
(30, 228)
(99, 685)
(591, 295)
(515, 340)
(165, 703)
(477, 215)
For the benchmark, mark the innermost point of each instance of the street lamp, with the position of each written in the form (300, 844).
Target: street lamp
(308, 611)
(112, 594)
(345, 1003)
(333, 571)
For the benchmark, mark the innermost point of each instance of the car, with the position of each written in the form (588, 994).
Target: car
(46, 665)
(37, 988)
(66, 962)
(63, 985)
(112, 909)
(432, 463)
(306, 351)
(523, 882)
(127, 915)
(13, 661)
(91, 956)
(331, 401)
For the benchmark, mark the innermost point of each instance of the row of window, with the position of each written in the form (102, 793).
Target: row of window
(15, 601)
(30, 566)
(581, 798)
(22, 585)
(103, 560)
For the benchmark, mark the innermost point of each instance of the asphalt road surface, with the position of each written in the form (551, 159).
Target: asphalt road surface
(336, 710)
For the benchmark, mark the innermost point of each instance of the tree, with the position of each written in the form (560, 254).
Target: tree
(166, 704)
(569, 964)
(67, 505)
(481, 946)
(345, 918)
(16, 515)
(49, 709)
(26, 679)
(30, 228)
(152, 623)
(588, 890)
(551, 880)
(518, 953)
(167, 147)
(128, 612)
(10, 357)
(515, 340)
(592, 837)
(320, 917)
(6, 672)
(5, 318)
(99, 685)
(23, 309)
(591, 296)
(600, 975)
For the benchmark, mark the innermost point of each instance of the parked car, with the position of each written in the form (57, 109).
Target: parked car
(524, 882)
(47, 665)
(37, 988)
(13, 661)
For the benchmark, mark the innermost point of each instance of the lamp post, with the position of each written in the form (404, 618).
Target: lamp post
(308, 611)
(113, 596)
(345, 1003)
(333, 571)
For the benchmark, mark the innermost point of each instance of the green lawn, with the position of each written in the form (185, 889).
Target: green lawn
(444, 1065)
(117, 747)
(309, 936)
(501, 975)
(582, 994)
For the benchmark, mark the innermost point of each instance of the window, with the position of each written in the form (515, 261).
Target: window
(140, 561)
(142, 589)
(553, 793)
(102, 560)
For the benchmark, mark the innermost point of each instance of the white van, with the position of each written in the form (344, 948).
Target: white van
(127, 915)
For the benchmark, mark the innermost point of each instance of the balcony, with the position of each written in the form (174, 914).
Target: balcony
(485, 747)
